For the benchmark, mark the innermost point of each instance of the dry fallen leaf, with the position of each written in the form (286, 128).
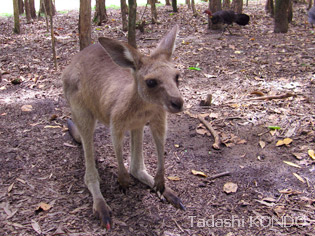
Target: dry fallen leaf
(291, 164)
(285, 141)
(230, 187)
(10, 187)
(52, 127)
(289, 191)
(311, 154)
(299, 178)
(279, 210)
(174, 178)
(201, 129)
(269, 199)
(69, 145)
(262, 144)
(27, 108)
(199, 173)
(42, 206)
(298, 156)
(36, 227)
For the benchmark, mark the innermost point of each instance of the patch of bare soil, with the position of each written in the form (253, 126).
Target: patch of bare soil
(41, 175)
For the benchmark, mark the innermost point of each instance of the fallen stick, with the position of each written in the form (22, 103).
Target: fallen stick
(215, 135)
(220, 175)
(282, 96)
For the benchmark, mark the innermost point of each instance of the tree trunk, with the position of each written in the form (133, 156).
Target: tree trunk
(167, 2)
(269, 8)
(193, 7)
(226, 4)
(100, 14)
(237, 6)
(21, 6)
(281, 16)
(153, 12)
(124, 12)
(214, 6)
(47, 6)
(16, 28)
(85, 23)
(28, 11)
(53, 45)
(132, 23)
(188, 4)
(290, 11)
(174, 5)
(32, 9)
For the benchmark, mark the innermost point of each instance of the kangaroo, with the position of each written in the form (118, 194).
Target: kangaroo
(112, 82)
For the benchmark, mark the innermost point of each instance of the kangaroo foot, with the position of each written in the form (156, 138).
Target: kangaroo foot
(124, 180)
(102, 211)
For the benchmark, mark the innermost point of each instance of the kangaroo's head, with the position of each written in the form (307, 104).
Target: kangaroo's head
(155, 76)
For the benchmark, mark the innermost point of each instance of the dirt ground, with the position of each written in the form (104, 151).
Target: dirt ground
(41, 176)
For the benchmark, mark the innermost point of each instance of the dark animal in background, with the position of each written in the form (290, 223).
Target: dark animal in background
(228, 18)
(311, 16)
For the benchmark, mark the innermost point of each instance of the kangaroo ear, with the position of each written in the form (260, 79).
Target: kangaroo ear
(166, 46)
(121, 53)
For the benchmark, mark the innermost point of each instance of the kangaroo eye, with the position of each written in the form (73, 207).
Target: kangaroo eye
(151, 83)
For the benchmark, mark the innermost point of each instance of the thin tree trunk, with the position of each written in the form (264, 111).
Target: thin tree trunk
(269, 8)
(16, 28)
(32, 9)
(28, 11)
(226, 4)
(85, 23)
(46, 14)
(214, 6)
(46, 3)
(153, 12)
(237, 6)
(188, 4)
(167, 2)
(21, 6)
(132, 23)
(53, 44)
(174, 5)
(290, 11)
(124, 12)
(281, 16)
(193, 7)
(100, 14)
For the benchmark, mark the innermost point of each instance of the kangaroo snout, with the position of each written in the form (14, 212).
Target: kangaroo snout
(175, 105)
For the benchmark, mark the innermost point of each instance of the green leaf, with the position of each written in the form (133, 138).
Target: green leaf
(274, 127)
(194, 68)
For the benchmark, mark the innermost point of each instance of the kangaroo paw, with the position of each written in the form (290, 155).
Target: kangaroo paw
(124, 181)
(102, 211)
(159, 184)
(171, 197)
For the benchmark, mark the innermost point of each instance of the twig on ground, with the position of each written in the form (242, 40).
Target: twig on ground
(181, 229)
(220, 175)
(282, 96)
(217, 141)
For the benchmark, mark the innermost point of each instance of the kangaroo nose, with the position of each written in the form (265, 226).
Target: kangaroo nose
(177, 105)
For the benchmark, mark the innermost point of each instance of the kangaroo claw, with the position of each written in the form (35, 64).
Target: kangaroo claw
(173, 199)
(103, 212)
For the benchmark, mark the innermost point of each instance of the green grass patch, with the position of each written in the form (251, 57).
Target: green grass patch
(112, 6)
(6, 14)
